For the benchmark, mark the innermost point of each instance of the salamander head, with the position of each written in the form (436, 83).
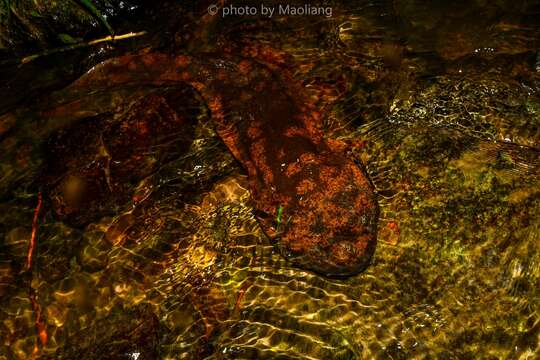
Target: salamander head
(331, 227)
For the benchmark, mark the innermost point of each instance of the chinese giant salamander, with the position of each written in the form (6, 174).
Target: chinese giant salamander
(315, 201)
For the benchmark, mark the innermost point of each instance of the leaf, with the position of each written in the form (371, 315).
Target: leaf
(66, 39)
(90, 8)
(8, 8)
(279, 217)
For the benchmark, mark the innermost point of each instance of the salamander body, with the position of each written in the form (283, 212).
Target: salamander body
(315, 201)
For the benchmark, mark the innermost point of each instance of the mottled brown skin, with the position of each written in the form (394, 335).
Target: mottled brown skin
(92, 165)
(329, 212)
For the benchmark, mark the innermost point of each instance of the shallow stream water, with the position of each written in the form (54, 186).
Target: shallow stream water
(439, 101)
